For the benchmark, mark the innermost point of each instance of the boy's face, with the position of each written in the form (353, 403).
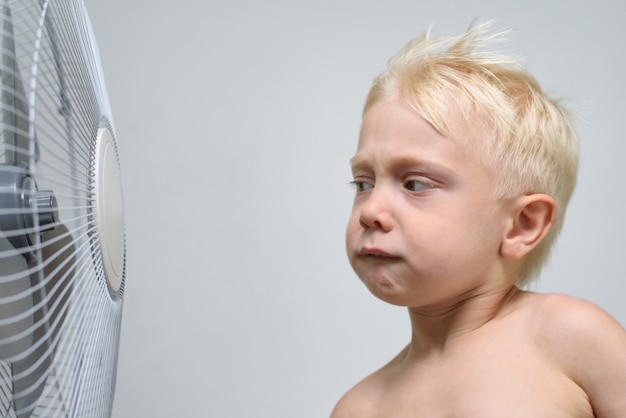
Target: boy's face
(425, 229)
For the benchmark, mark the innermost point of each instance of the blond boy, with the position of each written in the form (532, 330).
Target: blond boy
(463, 172)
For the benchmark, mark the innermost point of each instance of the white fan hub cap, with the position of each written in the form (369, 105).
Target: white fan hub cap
(109, 209)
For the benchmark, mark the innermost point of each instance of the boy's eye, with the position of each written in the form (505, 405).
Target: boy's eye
(361, 185)
(416, 185)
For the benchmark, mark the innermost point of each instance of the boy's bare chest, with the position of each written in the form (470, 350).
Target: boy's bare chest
(484, 385)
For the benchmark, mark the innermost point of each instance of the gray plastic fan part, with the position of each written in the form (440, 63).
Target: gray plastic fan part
(27, 322)
(24, 322)
(25, 213)
(14, 106)
(24, 208)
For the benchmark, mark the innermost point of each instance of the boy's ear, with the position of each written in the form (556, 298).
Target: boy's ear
(533, 217)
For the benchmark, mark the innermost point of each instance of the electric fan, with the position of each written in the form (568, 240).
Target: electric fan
(62, 237)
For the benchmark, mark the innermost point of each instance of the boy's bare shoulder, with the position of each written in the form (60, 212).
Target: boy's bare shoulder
(570, 328)
(587, 343)
(564, 319)
(363, 399)
(357, 402)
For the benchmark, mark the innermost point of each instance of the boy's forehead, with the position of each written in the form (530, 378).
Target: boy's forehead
(391, 118)
(392, 127)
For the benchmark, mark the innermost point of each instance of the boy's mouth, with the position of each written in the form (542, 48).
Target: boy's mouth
(375, 252)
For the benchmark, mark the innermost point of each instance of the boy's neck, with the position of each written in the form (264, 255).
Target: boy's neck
(434, 328)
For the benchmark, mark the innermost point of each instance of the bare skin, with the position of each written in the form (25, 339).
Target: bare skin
(537, 357)
(426, 233)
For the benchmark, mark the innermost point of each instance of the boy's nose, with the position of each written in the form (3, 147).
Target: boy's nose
(374, 213)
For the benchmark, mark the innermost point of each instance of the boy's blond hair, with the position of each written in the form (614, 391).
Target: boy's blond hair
(530, 141)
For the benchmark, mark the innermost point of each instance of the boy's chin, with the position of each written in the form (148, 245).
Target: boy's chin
(387, 291)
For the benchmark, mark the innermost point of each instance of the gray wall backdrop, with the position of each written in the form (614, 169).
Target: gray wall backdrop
(236, 121)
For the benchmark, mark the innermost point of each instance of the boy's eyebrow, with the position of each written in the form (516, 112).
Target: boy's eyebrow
(359, 163)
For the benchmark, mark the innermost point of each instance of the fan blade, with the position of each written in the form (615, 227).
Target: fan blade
(40, 314)
(14, 104)
(15, 335)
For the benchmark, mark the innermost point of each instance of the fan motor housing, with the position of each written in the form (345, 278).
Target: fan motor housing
(25, 211)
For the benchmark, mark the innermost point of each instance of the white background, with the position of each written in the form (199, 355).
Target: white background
(236, 121)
